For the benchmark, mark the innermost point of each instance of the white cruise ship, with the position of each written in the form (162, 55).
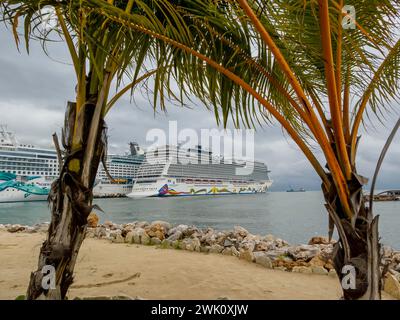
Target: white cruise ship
(163, 174)
(26, 172)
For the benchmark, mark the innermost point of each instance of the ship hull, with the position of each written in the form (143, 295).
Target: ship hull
(111, 190)
(170, 188)
(12, 195)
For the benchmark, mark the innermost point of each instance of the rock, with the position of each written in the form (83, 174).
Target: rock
(387, 251)
(137, 235)
(246, 255)
(264, 246)
(392, 286)
(303, 252)
(317, 261)
(90, 233)
(145, 239)
(129, 237)
(177, 235)
(193, 244)
(332, 273)
(329, 265)
(41, 227)
(92, 220)
(240, 231)
(319, 270)
(2, 227)
(15, 228)
(227, 243)
(166, 225)
(29, 230)
(155, 230)
(205, 249)
(181, 228)
(318, 240)
(155, 241)
(262, 259)
(118, 239)
(100, 232)
(397, 268)
(277, 253)
(108, 224)
(216, 248)
(302, 269)
(166, 244)
(280, 268)
(227, 251)
(235, 252)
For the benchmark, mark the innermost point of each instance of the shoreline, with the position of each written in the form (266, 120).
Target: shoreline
(205, 258)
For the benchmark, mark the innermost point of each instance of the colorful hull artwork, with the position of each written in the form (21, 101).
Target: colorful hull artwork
(167, 191)
(32, 189)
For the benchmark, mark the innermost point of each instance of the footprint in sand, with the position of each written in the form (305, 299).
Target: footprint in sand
(108, 275)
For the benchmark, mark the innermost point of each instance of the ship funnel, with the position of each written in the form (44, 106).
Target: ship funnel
(135, 149)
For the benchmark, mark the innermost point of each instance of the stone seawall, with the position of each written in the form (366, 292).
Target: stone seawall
(268, 251)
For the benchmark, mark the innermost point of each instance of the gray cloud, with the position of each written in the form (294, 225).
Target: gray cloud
(34, 90)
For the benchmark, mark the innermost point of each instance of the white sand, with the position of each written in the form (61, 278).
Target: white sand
(105, 269)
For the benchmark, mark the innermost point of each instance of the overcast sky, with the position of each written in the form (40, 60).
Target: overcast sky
(34, 90)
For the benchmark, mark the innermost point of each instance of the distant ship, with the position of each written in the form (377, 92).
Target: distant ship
(26, 172)
(163, 175)
(296, 190)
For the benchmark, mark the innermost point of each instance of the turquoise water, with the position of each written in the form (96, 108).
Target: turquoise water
(295, 217)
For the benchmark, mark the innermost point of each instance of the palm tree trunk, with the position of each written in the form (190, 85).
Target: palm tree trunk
(71, 202)
(356, 255)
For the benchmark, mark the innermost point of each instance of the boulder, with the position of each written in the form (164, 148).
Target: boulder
(318, 240)
(303, 252)
(262, 259)
(392, 286)
(205, 249)
(118, 239)
(100, 232)
(177, 235)
(246, 255)
(108, 224)
(302, 269)
(166, 225)
(145, 239)
(181, 228)
(227, 251)
(264, 246)
(155, 241)
(166, 244)
(240, 231)
(15, 228)
(155, 230)
(280, 268)
(216, 248)
(92, 220)
(317, 261)
(137, 235)
(129, 237)
(228, 243)
(192, 244)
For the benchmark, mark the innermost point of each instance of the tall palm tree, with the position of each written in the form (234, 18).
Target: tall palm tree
(316, 68)
(105, 55)
(288, 60)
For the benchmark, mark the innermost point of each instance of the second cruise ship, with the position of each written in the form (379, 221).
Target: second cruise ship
(163, 174)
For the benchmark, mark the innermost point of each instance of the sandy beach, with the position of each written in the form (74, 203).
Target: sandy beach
(106, 268)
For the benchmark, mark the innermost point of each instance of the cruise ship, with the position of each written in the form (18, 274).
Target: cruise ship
(172, 171)
(26, 172)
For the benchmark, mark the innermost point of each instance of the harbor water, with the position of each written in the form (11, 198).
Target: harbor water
(295, 217)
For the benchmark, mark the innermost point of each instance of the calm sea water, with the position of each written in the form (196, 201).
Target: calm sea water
(295, 217)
